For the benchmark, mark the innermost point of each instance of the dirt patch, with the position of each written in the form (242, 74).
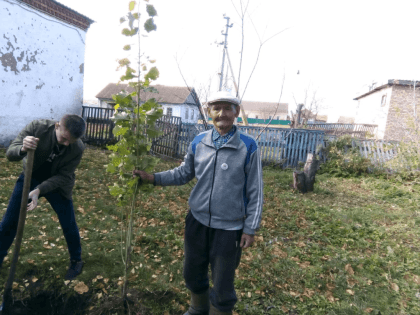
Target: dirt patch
(51, 303)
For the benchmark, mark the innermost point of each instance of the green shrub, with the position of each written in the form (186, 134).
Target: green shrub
(344, 160)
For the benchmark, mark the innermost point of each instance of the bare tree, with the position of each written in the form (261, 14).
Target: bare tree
(312, 105)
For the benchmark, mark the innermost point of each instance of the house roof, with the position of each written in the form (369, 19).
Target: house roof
(166, 94)
(265, 106)
(345, 120)
(390, 83)
(60, 11)
(322, 118)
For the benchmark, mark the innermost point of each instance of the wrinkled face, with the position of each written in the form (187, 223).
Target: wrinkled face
(63, 135)
(223, 115)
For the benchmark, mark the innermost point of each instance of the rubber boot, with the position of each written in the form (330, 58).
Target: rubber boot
(215, 311)
(200, 304)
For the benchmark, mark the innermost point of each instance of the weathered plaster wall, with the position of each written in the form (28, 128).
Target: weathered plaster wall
(401, 118)
(370, 110)
(41, 68)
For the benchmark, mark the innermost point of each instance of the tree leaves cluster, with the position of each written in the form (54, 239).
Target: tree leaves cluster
(134, 119)
(135, 128)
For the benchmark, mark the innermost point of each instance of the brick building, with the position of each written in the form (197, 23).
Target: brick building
(393, 107)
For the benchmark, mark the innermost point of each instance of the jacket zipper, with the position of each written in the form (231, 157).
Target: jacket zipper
(212, 185)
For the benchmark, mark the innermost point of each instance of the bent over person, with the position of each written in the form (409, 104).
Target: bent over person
(58, 151)
(225, 205)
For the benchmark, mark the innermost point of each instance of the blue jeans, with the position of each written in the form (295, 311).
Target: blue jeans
(62, 206)
(219, 248)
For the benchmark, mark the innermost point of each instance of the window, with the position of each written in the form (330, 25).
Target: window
(186, 113)
(269, 117)
(383, 101)
(278, 117)
(169, 111)
(256, 116)
(192, 114)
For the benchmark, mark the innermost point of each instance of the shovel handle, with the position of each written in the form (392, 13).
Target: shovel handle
(22, 218)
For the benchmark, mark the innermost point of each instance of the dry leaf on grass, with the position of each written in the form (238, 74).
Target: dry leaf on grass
(395, 287)
(81, 288)
(351, 292)
(349, 269)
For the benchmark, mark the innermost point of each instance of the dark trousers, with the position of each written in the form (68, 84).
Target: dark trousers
(220, 249)
(62, 206)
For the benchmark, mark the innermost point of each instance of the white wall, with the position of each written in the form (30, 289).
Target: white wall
(370, 111)
(41, 68)
(179, 110)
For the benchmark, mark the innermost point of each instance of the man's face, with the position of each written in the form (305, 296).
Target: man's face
(63, 135)
(223, 115)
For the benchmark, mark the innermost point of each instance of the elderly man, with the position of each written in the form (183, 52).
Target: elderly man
(58, 151)
(225, 205)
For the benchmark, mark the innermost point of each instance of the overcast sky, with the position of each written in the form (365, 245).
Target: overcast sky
(339, 48)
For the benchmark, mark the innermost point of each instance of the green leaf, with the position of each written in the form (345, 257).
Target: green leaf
(153, 74)
(151, 10)
(144, 68)
(149, 25)
(152, 61)
(116, 106)
(136, 16)
(127, 47)
(131, 5)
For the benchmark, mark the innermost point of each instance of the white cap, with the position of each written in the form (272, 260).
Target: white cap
(223, 96)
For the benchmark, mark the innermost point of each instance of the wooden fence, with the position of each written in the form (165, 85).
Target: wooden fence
(167, 143)
(277, 145)
(378, 151)
(285, 146)
(99, 124)
(359, 131)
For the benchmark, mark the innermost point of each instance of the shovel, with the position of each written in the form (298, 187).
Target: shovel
(7, 298)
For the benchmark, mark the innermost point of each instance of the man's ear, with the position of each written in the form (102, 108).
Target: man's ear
(238, 110)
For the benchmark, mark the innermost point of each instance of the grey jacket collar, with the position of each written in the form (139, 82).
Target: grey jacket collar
(233, 142)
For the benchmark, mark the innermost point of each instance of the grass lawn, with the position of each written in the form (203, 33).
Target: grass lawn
(351, 247)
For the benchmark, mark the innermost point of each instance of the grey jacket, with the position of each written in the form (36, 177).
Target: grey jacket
(229, 187)
(63, 167)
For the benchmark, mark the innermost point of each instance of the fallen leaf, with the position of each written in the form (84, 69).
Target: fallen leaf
(351, 292)
(34, 279)
(395, 287)
(81, 288)
(330, 296)
(368, 310)
(349, 269)
(304, 264)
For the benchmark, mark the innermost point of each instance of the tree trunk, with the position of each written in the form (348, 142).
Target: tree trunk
(304, 181)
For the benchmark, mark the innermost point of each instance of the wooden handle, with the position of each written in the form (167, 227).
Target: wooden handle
(22, 217)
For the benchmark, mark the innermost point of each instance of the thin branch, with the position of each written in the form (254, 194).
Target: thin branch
(258, 55)
(278, 104)
(192, 92)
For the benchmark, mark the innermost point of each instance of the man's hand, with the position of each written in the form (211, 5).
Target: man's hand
(144, 176)
(246, 240)
(34, 194)
(29, 143)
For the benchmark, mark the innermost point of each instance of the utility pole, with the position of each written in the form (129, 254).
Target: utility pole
(243, 115)
(224, 49)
